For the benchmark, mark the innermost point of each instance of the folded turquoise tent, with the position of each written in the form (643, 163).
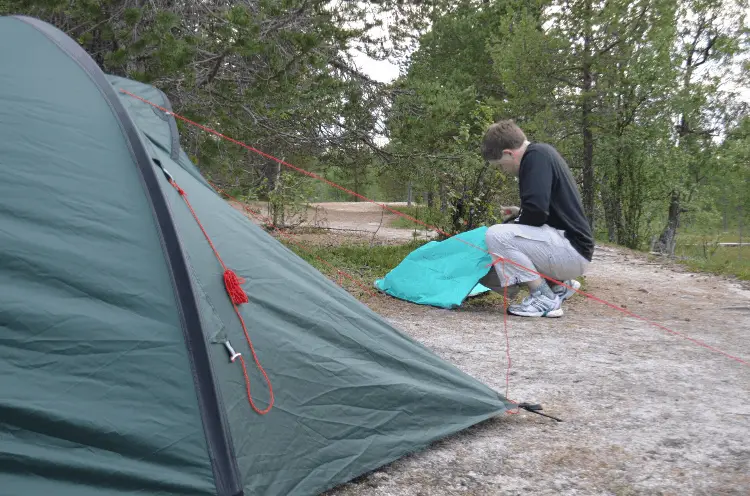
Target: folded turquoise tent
(118, 339)
(441, 273)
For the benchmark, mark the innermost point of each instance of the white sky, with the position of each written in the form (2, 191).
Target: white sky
(379, 70)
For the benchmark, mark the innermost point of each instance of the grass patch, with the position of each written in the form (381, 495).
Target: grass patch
(493, 300)
(489, 300)
(701, 252)
(366, 263)
(698, 238)
(430, 216)
(724, 260)
(358, 259)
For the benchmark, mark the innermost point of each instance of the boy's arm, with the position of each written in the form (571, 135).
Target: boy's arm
(509, 214)
(535, 183)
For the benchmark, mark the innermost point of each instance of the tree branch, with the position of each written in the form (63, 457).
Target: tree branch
(567, 81)
(215, 70)
(706, 52)
(619, 39)
(343, 67)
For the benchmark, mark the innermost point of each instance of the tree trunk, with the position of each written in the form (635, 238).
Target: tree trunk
(725, 204)
(588, 162)
(276, 203)
(668, 238)
(272, 173)
(457, 221)
(739, 225)
(356, 183)
(633, 207)
(742, 217)
(430, 199)
(443, 197)
(586, 125)
(608, 197)
(408, 195)
(135, 66)
(619, 186)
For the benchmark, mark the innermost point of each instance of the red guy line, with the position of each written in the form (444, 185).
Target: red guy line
(436, 229)
(236, 296)
(507, 343)
(289, 237)
(632, 314)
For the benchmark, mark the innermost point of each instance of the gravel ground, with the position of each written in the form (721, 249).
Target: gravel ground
(644, 411)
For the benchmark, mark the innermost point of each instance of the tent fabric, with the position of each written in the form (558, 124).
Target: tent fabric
(441, 273)
(114, 375)
(90, 335)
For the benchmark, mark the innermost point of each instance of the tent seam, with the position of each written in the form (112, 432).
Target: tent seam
(232, 482)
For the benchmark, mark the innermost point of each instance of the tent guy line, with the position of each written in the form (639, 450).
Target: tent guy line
(396, 212)
(118, 377)
(635, 315)
(289, 237)
(238, 296)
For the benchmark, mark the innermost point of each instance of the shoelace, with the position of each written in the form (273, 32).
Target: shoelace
(537, 302)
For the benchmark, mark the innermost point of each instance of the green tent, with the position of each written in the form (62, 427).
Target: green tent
(116, 326)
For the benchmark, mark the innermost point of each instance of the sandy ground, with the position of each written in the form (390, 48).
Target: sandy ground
(361, 219)
(644, 411)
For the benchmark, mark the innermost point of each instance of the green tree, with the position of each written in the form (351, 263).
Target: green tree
(634, 95)
(440, 113)
(712, 36)
(731, 187)
(581, 72)
(278, 75)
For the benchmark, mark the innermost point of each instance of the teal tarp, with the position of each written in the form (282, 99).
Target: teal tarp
(441, 273)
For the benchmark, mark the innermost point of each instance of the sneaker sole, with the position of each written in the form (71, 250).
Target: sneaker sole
(552, 313)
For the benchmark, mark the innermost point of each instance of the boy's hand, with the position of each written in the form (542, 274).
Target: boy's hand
(509, 213)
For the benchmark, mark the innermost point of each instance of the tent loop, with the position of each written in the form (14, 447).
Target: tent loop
(232, 354)
(233, 285)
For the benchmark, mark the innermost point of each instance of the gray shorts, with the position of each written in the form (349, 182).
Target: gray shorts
(542, 249)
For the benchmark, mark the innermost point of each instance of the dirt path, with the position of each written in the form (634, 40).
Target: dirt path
(364, 219)
(645, 411)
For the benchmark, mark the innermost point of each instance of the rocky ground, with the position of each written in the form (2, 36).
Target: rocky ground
(644, 410)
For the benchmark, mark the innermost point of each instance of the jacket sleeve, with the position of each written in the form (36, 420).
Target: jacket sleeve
(535, 184)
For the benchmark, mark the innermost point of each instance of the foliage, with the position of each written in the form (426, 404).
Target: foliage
(711, 39)
(640, 98)
(618, 87)
(361, 261)
(275, 74)
(424, 214)
(592, 79)
(705, 254)
(439, 115)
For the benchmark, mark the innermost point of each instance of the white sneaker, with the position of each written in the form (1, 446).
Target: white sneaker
(565, 292)
(538, 305)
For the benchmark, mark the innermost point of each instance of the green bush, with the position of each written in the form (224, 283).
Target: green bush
(430, 216)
